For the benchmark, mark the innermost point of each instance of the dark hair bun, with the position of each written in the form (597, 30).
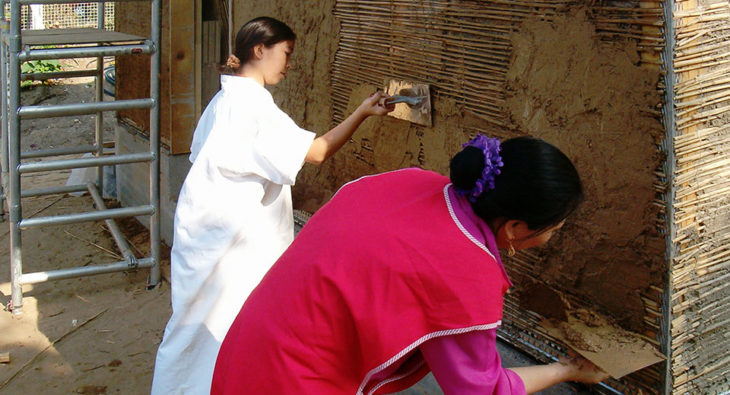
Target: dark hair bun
(466, 167)
(537, 184)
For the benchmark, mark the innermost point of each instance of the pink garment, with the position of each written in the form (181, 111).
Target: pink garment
(469, 363)
(475, 226)
(381, 269)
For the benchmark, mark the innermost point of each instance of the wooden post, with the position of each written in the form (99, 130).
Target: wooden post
(182, 77)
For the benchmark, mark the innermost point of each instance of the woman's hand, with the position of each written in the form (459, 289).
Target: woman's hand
(375, 105)
(583, 370)
(537, 378)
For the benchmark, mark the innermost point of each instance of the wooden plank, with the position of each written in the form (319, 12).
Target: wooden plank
(133, 72)
(76, 36)
(182, 80)
(198, 56)
(165, 58)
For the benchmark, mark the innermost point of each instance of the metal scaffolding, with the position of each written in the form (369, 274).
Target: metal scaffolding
(19, 46)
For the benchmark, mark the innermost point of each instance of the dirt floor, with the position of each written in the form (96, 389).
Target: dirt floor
(90, 335)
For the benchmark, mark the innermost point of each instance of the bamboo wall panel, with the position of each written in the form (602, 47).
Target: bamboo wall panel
(463, 50)
(700, 275)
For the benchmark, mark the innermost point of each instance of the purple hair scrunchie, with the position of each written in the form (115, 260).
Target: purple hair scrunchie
(490, 147)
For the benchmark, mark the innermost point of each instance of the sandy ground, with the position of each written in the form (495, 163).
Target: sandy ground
(90, 335)
(99, 334)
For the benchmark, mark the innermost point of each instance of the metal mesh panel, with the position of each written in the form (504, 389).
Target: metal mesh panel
(25, 15)
(77, 15)
(64, 16)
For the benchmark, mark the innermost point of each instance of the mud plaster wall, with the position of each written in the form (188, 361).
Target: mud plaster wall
(589, 98)
(565, 85)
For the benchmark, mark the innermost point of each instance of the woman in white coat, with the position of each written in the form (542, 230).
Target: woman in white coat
(234, 214)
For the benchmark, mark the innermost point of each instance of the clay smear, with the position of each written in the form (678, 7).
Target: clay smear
(616, 351)
(593, 100)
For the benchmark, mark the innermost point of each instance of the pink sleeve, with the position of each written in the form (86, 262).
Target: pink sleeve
(469, 363)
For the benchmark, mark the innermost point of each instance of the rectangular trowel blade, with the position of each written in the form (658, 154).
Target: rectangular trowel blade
(420, 113)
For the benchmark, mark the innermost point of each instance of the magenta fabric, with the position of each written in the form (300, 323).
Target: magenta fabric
(378, 271)
(475, 226)
(469, 363)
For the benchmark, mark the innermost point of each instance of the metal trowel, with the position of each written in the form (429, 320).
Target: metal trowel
(417, 100)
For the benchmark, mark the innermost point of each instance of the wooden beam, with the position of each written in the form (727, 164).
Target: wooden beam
(182, 80)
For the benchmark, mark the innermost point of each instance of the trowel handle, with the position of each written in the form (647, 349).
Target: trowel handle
(403, 99)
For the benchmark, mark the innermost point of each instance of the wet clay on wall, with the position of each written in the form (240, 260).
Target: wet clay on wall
(589, 97)
(383, 144)
(614, 350)
(592, 100)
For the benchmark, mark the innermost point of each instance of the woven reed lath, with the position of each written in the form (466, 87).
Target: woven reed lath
(463, 49)
(700, 268)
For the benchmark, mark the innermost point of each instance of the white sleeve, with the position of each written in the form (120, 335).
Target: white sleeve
(280, 146)
(262, 141)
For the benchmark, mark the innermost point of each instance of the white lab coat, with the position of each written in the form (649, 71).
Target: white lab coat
(233, 220)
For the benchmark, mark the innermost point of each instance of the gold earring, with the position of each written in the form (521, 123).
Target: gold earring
(511, 250)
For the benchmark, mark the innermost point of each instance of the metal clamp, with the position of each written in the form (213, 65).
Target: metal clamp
(132, 261)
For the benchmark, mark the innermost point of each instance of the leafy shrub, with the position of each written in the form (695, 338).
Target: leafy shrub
(38, 66)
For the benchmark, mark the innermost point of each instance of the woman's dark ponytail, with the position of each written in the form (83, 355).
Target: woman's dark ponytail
(261, 30)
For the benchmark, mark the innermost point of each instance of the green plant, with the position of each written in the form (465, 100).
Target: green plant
(38, 66)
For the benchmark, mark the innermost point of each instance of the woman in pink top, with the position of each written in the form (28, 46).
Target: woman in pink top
(400, 274)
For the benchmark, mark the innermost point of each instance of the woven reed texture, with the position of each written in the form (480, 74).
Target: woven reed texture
(463, 49)
(700, 281)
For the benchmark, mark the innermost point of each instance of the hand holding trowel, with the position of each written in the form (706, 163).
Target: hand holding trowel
(416, 99)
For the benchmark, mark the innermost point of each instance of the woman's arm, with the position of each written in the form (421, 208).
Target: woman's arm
(537, 378)
(326, 145)
(469, 364)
